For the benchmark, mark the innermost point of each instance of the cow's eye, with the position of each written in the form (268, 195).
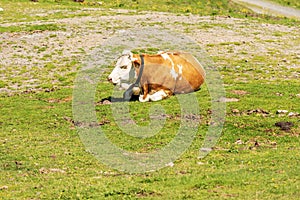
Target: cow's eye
(124, 67)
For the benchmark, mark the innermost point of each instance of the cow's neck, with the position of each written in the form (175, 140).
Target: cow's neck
(128, 93)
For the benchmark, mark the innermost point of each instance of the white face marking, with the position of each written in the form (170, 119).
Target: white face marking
(123, 73)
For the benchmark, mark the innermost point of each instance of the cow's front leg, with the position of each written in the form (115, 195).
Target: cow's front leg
(145, 96)
(159, 95)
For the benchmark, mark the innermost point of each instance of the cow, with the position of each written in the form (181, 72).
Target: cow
(157, 76)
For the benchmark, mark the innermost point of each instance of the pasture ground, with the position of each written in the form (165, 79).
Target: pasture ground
(43, 45)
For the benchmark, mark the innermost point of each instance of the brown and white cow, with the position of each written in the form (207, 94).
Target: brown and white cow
(163, 74)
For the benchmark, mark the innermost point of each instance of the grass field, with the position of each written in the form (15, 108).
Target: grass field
(202, 7)
(293, 3)
(44, 44)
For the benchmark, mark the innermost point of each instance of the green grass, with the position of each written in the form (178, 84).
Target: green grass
(43, 10)
(31, 28)
(41, 151)
(202, 7)
(47, 10)
(292, 3)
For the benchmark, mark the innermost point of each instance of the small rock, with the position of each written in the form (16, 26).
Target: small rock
(225, 100)
(204, 151)
(293, 114)
(49, 89)
(171, 164)
(1, 9)
(57, 170)
(239, 141)
(285, 126)
(106, 102)
(43, 170)
(18, 163)
(239, 92)
(235, 111)
(258, 111)
(282, 112)
(298, 95)
(4, 187)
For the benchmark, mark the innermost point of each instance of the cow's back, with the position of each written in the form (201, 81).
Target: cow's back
(193, 74)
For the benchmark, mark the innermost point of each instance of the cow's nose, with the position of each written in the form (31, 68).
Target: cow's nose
(109, 79)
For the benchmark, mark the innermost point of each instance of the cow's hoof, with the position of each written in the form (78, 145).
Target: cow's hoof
(141, 98)
(157, 96)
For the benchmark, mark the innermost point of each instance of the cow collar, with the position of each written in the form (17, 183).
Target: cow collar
(137, 82)
(128, 93)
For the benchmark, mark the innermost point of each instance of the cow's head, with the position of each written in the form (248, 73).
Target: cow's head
(124, 73)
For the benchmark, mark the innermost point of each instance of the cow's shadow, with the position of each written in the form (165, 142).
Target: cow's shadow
(118, 99)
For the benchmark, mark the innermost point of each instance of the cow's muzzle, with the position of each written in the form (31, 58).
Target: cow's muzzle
(109, 79)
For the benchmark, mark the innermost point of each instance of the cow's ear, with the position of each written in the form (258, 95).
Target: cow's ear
(126, 52)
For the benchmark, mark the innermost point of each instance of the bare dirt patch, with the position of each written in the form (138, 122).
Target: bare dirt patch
(29, 60)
